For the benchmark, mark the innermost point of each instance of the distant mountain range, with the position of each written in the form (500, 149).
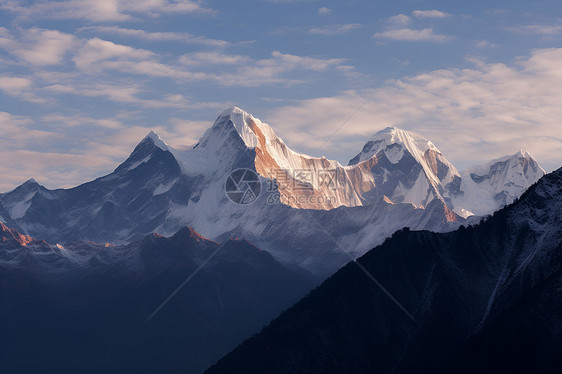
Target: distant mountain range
(83, 270)
(83, 308)
(309, 212)
(482, 299)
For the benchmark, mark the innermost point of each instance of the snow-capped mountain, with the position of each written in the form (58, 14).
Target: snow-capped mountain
(310, 210)
(488, 187)
(398, 165)
(409, 167)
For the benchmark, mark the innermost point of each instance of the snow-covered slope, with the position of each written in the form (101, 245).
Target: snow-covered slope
(395, 143)
(420, 172)
(308, 210)
(486, 188)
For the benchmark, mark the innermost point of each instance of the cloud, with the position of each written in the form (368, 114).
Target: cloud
(273, 70)
(288, 1)
(546, 30)
(119, 93)
(84, 157)
(98, 54)
(289, 61)
(19, 87)
(15, 130)
(334, 29)
(400, 19)
(14, 83)
(77, 120)
(34, 153)
(324, 11)
(102, 10)
(485, 44)
(182, 132)
(181, 37)
(36, 46)
(213, 58)
(411, 35)
(472, 115)
(429, 14)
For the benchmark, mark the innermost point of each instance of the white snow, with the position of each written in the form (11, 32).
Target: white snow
(419, 194)
(414, 143)
(157, 140)
(240, 121)
(138, 163)
(394, 154)
(19, 209)
(504, 175)
(163, 188)
(214, 155)
(394, 141)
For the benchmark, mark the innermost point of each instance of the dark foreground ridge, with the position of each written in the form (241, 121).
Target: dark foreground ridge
(82, 308)
(485, 299)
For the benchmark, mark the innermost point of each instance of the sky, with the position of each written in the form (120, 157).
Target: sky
(83, 81)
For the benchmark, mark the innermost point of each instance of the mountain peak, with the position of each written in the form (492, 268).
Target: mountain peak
(498, 182)
(389, 129)
(8, 234)
(232, 110)
(189, 233)
(242, 122)
(386, 141)
(156, 140)
(29, 185)
(523, 153)
(235, 123)
(395, 135)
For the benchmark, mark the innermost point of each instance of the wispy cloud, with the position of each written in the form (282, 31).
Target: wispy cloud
(96, 54)
(37, 46)
(102, 10)
(334, 29)
(119, 93)
(273, 70)
(213, 58)
(324, 11)
(76, 120)
(32, 152)
(181, 37)
(411, 35)
(491, 110)
(288, 1)
(429, 14)
(485, 44)
(546, 30)
(19, 87)
(399, 20)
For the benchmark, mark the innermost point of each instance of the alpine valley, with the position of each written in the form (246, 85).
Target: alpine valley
(312, 213)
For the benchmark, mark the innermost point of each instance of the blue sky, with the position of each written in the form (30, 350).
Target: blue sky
(82, 81)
